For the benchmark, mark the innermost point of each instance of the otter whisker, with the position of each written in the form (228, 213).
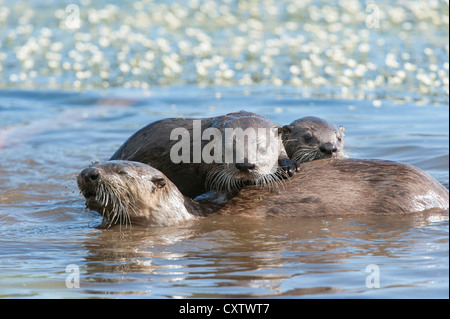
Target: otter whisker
(105, 195)
(238, 184)
(121, 214)
(109, 197)
(278, 180)
(221, 178)
(220, 181)
(128, 214)
(232, 183)
(263, 182)
(275, 183)
(123, 209)
(307, 154)
(213, 176)
(217, 182)
(118, 214)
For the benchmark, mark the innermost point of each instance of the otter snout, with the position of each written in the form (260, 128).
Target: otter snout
(328, 148)
(88, 175)
(87, 181)
(245, 167)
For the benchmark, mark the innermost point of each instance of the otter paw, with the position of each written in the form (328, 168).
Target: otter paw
(288, 167)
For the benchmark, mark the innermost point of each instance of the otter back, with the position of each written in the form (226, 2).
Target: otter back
(345, 186)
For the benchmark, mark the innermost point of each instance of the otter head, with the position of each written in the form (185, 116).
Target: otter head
(126, 192)
(251, 147)
(311, 138)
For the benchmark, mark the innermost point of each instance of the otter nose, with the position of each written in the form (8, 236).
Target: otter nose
(245, 167)
(90, 174)
(328, 148)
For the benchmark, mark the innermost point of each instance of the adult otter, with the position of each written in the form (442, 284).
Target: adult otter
(135, 193)
(158, 145)
(311, 138)
(346, 186)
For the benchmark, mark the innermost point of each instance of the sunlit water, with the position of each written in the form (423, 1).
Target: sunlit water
(341, 48)
(48, 137)
(71, 93)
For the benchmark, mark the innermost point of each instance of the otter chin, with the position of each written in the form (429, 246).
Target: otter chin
(131, 193)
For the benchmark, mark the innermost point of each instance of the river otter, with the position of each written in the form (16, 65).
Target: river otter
(346, 186)
(204, 163)
(311, 138)
(135, 193)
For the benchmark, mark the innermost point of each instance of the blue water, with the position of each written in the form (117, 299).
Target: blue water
(49, 136)
(76, 80)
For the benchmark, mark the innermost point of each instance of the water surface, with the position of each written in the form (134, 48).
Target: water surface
(47, 137)
(71, 93)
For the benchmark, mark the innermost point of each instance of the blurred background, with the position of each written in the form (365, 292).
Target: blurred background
(347, 49)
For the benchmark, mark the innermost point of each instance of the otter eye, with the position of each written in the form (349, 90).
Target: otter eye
(122, 172)
(159, 181)
(339, 139)
(307, 138)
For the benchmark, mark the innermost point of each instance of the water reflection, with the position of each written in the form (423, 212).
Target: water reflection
(45, 227)
(217, 257)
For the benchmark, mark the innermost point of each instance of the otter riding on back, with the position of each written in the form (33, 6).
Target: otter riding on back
(310, 138)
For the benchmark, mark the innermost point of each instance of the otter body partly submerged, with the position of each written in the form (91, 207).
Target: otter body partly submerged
(135, 193)
(345, 186)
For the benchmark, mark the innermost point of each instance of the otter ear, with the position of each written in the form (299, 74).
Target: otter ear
(159, 181)
(287, 129)
(342, 129)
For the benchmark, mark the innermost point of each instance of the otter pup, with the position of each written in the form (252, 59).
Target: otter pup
(135, 193)
(206, 157)
(311, 138)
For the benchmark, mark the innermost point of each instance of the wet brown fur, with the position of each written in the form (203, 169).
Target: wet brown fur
(320, 133)
(151, 145)
(322, 187)
(345, 186)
